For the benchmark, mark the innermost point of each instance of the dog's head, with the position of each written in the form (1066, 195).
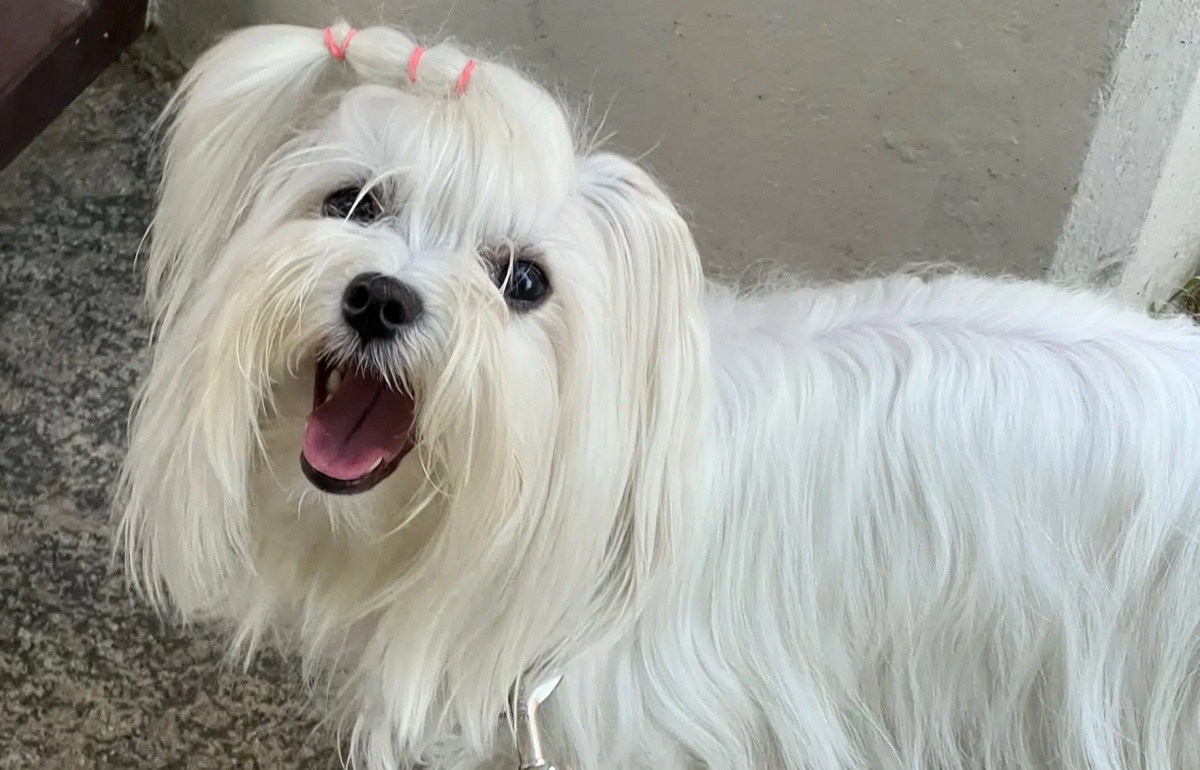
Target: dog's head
(388, 283)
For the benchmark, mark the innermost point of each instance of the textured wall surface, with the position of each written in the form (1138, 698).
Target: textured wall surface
(833, 136)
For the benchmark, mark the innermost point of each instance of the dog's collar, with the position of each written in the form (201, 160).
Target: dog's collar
(525, 701)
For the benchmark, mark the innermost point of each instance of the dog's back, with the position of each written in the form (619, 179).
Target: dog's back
(956, 525)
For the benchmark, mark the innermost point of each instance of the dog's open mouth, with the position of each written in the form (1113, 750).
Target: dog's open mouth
(359, 430)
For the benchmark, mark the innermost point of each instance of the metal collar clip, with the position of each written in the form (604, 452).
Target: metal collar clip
(525, 702)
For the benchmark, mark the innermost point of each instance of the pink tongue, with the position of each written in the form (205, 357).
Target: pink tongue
(362, 424)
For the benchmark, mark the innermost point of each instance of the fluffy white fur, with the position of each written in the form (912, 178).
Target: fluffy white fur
(918, 523)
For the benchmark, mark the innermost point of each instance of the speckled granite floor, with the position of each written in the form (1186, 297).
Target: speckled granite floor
(89, 679)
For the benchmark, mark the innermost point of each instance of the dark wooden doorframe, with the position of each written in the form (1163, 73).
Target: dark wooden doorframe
(50, 51)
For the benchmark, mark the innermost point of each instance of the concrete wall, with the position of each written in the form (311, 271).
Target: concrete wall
(834, 135)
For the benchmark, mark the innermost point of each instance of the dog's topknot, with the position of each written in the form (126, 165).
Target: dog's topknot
(387, 56)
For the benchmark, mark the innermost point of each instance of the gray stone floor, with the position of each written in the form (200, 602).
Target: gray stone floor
(88, 678)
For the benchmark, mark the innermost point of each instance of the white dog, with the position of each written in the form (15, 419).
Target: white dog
(440, 396)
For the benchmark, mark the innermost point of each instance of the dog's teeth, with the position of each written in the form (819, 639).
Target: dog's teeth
(335, 381)
(378, 463)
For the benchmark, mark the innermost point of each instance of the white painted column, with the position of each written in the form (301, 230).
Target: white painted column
(1168, 247)
(1131, 225)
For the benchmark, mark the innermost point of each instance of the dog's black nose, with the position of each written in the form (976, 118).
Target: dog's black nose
(378, 307)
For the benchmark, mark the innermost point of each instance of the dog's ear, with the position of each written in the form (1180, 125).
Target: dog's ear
(657, 295)
(182, 489)
(234, 107)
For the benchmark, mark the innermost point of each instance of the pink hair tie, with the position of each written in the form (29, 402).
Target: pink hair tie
(465, 78)
(413, 61)
(338, 50)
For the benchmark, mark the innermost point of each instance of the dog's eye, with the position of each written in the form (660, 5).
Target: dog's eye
(525, 285)
(345, 204)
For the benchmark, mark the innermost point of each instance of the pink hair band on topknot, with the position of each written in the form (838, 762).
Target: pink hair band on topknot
(339, 49)
(413, 61)
(465, 78)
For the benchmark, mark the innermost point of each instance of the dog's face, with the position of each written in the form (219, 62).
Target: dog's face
(431, 260)
(380, 295)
